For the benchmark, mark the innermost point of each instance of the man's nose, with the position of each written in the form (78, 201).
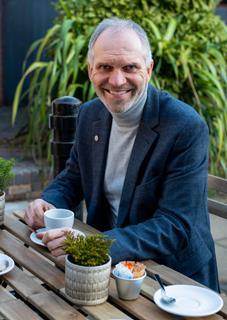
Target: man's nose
(117, 78)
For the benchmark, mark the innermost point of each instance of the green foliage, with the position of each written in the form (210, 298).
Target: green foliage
(189, 45)
(62, 73)
(6, 174)
(87, 251)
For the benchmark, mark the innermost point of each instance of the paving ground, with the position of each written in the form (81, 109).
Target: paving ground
(219, 231)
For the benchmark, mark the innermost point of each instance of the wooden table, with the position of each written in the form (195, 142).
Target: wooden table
(35, 287)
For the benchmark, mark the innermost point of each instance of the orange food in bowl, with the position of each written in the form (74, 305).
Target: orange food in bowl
(137, 268)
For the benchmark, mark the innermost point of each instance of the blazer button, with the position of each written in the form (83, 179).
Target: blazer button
(96, 138)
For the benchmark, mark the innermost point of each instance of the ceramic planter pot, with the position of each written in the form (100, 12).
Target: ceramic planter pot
(87, 285)
(2, 207)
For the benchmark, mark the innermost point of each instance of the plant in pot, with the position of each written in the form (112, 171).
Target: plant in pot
(6, 175)
(87, 268)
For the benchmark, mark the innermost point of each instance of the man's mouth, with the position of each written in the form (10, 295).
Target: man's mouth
(118, 92)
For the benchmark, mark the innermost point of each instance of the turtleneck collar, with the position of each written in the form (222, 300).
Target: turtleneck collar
(132, 116)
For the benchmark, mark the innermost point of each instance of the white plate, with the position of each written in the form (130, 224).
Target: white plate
(4, 259)
(40, 242)
(191, 301)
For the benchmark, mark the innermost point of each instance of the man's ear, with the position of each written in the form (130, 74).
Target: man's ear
(89, 67)
(149, 70)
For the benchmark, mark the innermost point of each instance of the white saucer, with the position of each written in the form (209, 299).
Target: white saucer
(40, 242)
(191, 301)
(37, 240)
(7, 261)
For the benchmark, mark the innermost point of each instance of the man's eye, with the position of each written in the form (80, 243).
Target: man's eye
(105, 67)
(130, 68)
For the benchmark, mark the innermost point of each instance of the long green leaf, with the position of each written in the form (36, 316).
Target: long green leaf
(170, 29)
(34, 66)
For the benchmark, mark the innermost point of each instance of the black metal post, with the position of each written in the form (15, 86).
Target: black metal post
(63, 123)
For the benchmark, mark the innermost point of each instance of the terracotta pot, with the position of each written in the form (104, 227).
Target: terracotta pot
(87, 285)
(2, 207)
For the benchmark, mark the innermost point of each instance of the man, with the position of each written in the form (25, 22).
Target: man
(139, 161)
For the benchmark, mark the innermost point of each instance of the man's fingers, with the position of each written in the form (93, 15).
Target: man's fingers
(34, 214)
(28, 218)
(58, 252)
(61, 260)
(55, 233)
(54, 240)
(48, 206)
(55, 244)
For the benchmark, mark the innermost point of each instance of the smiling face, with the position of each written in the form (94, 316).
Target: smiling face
(118, 70)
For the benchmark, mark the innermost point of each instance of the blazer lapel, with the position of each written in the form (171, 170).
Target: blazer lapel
(143, 142)
(100, 135)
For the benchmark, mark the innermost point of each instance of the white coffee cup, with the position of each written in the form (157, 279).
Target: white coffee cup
(58, 218)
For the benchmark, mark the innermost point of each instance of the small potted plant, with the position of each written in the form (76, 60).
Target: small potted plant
(87, 268)
(6, 175)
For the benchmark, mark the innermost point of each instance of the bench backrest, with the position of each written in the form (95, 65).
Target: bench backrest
(217, 196)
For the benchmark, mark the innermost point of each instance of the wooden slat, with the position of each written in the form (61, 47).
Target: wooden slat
(105, 311)
(17, 310)
(217, 208)
(217, 183)
(5, 296)
(22, 232)
(149, 287)
(224, 309)
(22, 283)
(31, 261)
(213, 317)
(54, 307)
(170, 276)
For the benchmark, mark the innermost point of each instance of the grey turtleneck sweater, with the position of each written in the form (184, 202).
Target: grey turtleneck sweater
(122, 136)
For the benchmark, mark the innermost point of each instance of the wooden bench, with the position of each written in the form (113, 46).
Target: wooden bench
(217, 196)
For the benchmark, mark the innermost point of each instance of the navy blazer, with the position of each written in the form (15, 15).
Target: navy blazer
(163, 209)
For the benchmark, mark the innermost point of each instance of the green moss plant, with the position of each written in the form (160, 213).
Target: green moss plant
(6, 173)
(87, 251)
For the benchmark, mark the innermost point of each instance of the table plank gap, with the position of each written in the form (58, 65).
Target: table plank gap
(5, 295)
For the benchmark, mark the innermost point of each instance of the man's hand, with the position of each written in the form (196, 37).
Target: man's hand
(34, 213)
(54, 240)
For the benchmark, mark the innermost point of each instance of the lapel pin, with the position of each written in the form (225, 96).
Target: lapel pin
(96, 138)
